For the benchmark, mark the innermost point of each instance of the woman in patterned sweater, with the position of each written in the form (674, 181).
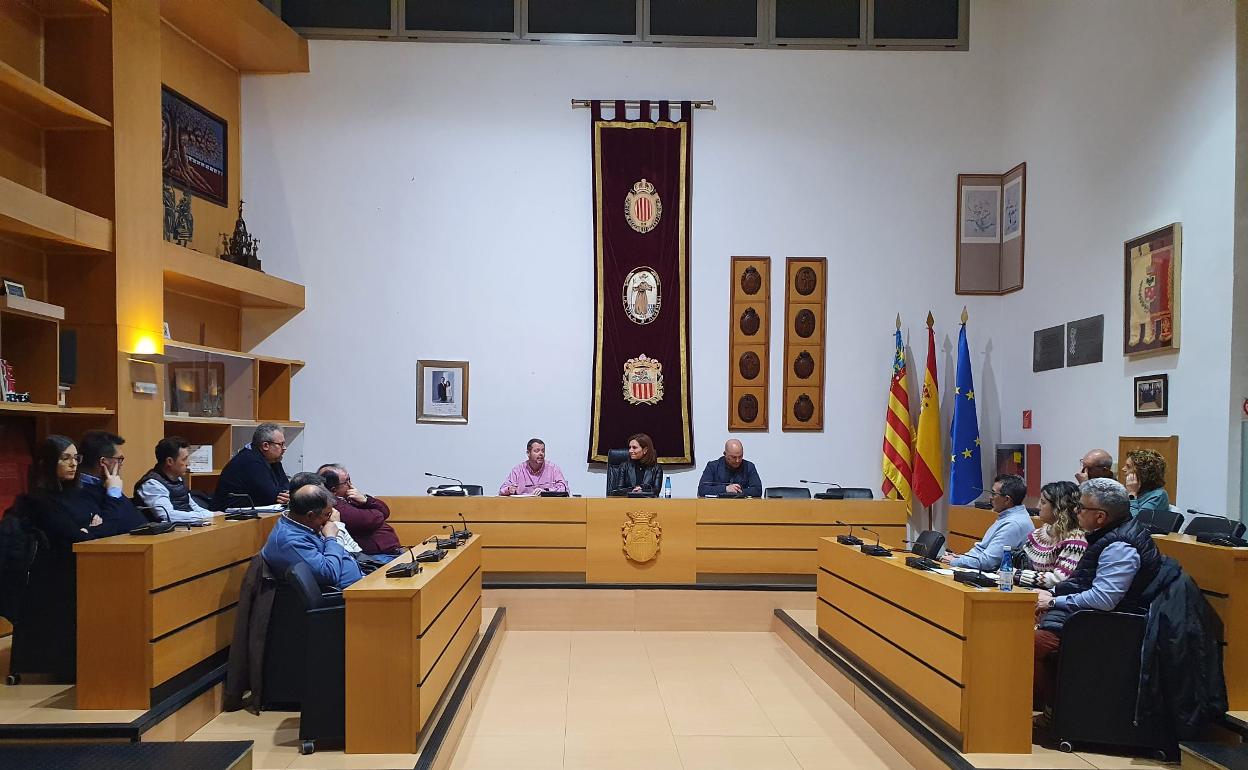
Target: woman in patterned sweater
(1055, 548)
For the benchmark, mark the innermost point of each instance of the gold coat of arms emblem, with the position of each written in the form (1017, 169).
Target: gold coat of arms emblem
(642, 534)
(643, 380)
(642, 207)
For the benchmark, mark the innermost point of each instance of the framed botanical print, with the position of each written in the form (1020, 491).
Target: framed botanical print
(1152, 267)
(442, 391)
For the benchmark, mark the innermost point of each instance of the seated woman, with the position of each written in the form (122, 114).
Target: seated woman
(57, 513)
(1143, 474)
(642, 473)
(1053, 550)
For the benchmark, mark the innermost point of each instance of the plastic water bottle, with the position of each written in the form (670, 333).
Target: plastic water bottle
(1005, 575)
(667, 489)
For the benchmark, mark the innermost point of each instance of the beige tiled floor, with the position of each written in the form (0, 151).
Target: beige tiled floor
(601, 700)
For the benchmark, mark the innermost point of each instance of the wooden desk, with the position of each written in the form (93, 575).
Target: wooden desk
(967, 525)
(151, 609)
(962, 655)
(405, 640)
(730, 537)
(1222, 574)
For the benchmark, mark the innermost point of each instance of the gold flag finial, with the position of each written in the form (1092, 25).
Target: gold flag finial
(964, 315)
(899, 322)
(930, 320)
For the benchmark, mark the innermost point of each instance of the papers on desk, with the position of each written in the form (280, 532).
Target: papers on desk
(275, 508)
(945, 572)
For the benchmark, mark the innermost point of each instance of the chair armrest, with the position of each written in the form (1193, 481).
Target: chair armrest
(332, 599)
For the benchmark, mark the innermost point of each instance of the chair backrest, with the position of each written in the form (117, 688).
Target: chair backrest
(615, 464)
(300, 578)
(857, 493)
(1214, 525)
(1161, 522)
(929, 543)
(474, 490)
(790, 492)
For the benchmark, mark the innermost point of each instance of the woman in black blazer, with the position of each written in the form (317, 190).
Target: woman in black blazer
(642, 473)
(57, 514)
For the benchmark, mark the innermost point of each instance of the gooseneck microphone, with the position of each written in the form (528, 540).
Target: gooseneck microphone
(465, 522)
(825, 483)
(847, 539)
(461, 492)
(250, 513)
(407, 568)
(877, 549)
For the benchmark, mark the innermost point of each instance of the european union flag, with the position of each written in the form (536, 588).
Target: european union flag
(966, 476)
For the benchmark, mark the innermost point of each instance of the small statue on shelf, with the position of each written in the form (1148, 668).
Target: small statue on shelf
(184, 222)
(240, 247)
(171, 216)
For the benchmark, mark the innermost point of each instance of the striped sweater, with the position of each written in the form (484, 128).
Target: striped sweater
(1051, 561)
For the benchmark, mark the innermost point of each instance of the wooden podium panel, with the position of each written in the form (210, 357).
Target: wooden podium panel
(1222, 574)
(606, 560)
(152, 607)
(405, 640)
(943, 647)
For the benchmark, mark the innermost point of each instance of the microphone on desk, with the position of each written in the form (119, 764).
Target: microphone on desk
(847, 539)
(877, 549)
(250, 513)
(406, 569)
(829, 494)
(461, 492)
(433, 554)
(824, 483)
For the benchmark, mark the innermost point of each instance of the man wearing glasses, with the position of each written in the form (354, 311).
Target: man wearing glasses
(100, 472)
(1113, 574)
(1011, 528)
(1096, 464)
(255, 471)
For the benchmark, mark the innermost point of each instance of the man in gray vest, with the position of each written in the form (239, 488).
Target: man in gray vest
(164, 489)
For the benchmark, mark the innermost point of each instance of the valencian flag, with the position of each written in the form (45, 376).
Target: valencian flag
(966, 475)
(928, 465)
(641, 280)
(897, 436)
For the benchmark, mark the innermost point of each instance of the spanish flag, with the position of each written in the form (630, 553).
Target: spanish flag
(897, 435)
(929, 466)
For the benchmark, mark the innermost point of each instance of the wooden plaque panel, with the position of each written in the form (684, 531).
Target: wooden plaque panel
(749, 347)
(805, 334)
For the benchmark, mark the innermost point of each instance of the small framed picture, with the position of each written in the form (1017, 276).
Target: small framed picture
(168, 336)
(442, 391)
(1152, 395)
(14, 289)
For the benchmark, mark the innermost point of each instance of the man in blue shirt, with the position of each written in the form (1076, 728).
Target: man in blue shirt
(1011, 528)
(306, 533)
(730, 475)
(1120, 562)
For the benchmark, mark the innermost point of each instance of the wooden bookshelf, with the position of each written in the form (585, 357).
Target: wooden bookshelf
(68, 9)
(242, 33)
(226, 353)
(35, 102)
(30, 408)
(211, 278)
(176, 419)
(27, 213)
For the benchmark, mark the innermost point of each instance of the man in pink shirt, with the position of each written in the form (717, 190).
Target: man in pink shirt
(534, 475)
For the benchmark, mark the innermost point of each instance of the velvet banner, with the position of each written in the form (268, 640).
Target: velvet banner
(641, 281)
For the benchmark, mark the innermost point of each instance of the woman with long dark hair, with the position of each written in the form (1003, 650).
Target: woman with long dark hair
(642, 473)
(57, 514)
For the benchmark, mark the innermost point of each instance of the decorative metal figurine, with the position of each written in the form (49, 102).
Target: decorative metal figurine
(239, 247)
(179, 224)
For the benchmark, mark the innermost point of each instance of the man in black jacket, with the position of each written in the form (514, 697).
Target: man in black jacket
(100, 473)
(256, 471)
(1120, 563)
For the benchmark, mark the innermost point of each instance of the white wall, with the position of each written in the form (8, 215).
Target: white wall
(434, 198)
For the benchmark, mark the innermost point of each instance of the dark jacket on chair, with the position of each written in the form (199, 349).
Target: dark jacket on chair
(1181, 678)
(244, 679)
(249, 474)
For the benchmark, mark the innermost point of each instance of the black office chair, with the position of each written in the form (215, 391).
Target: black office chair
(929, 543)
(1096, 692)
(285, 670)
(615, 470)
(1161, 522)
(844, 493)
(323, 715)
(795, 493)
(1214, 525)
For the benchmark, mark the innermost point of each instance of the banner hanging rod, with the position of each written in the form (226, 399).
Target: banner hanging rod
(698, 104)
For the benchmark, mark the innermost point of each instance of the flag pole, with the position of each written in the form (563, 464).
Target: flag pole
(930, 518)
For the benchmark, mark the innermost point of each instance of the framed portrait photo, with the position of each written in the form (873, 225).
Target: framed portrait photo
(14, 289)
(1152, 395)
(442, 391)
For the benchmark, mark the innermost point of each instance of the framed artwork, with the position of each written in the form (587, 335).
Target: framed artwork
(991, 232)
(1152, 266)
(1152, 395)
(442, 391)
(14, 289)
(981, 214)
(1085, 340)
(197, 389)
(1048, 349)
(194, 148)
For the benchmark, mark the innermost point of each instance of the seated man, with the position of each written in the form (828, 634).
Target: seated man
(731, 474)
(306, 533)
(163, 488)
(255, 471)
(1113, 574)
(100, 473)
(534, 475)
(364, 516)
(1011, 528)
(1096, 464)
(303, 479)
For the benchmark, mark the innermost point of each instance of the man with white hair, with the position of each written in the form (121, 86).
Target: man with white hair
(1113, 574)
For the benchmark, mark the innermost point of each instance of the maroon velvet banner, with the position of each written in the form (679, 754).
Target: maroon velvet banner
(641, 281)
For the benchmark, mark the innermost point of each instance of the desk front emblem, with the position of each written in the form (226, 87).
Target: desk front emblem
(642, 534)
(643, 380)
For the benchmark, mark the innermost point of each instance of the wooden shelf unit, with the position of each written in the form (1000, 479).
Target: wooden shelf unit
(242, 33)
(53, 409)
(68, 9)
(35, 102)
(27, 213)
(211, 278)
